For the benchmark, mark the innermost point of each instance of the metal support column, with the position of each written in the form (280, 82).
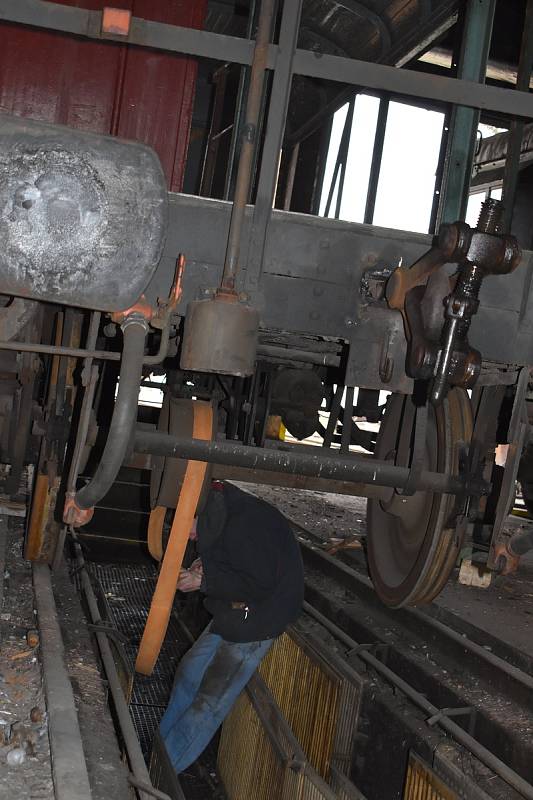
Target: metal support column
(464, 121)
(512, 162)
(347, 420)
(238, 119)
(339, 171)
(377, 157)
(277, 113)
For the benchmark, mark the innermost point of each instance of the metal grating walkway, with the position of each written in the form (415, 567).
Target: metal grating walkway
(128, 591)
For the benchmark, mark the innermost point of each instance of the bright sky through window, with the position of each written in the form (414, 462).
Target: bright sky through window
(410, 157)
(408, 168)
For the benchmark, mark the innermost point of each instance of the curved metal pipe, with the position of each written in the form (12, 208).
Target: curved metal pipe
(134, 329)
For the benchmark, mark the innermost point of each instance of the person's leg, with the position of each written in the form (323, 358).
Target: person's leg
(189, 675)
(227, 674)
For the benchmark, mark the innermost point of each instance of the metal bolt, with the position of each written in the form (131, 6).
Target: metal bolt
(110, 330)
(490, 216)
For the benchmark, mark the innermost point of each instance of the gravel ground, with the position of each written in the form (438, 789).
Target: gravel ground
(21, 687)
(322, 513)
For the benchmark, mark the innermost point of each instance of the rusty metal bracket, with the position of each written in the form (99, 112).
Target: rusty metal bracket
(147, 788)
(367, 646)
(452, 244)
(157, 316)
(455, 712)
(73, 514)
(105, 627)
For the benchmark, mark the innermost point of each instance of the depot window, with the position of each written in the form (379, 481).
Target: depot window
(382, 164)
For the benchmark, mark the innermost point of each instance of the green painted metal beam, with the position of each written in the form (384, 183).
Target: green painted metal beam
(464, 121)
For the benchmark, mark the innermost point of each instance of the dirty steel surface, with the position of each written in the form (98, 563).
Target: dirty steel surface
(21, 687)
(78, 224)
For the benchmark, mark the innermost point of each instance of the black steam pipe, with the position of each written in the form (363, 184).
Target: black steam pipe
(315, 464)
(134, 329)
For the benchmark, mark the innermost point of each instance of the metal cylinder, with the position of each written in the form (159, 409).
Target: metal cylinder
(83, 217)
(357, 469)
(220, 336)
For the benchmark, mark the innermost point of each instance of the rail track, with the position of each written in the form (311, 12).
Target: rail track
(70, 747)
(455, 677)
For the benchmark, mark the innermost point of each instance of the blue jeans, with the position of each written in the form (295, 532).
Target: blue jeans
(208, 680)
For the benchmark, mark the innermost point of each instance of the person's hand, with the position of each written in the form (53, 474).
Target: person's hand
(191, 579)
(197, 566)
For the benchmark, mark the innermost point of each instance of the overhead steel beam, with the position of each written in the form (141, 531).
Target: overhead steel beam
(500, 71)
(143, 32)
(412, 84)
(203, 44)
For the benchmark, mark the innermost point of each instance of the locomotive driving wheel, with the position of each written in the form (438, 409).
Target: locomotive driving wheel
(413, 543)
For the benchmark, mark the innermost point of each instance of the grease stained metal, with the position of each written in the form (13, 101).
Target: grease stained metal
(55, 209)
(82, 217)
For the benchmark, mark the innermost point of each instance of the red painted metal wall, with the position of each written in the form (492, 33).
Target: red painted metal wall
(106, 87)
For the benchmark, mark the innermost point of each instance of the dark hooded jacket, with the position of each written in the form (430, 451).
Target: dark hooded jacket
(253, 573)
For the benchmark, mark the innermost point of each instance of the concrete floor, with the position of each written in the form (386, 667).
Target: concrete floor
(21, 686)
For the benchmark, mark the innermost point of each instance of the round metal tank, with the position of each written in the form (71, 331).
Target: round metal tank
(220, 336)
(83, 217)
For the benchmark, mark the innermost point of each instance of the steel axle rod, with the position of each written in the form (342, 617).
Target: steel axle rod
(352, 468)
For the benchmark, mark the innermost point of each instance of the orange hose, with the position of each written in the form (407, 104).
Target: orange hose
(159, 615)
